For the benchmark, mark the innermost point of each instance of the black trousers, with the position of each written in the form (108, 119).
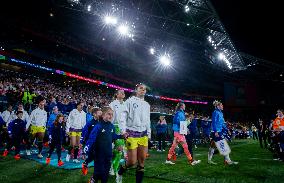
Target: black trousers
(4, 136)
(262, 138)
(53, 144)
(254, 136)
(161, 137)
(279, 148)
(16, 141)
(189, 141)
(101, 170)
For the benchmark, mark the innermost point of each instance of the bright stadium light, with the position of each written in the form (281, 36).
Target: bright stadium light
(221, 56)
(123, 30)
(89, 7)
(74, 1)
(109, 20)
(228, 63)
(152, 51)
(186, 8)
(165, 60)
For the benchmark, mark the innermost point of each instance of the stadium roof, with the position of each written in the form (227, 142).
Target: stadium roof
(189, 32)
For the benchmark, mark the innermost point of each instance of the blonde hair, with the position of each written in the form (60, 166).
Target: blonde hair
(104, 110)
(136, 88)
(116, 93)
(216, 103)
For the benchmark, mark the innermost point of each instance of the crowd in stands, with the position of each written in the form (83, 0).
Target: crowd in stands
(24, 88)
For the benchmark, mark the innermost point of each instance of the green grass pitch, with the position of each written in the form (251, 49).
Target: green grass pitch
(255, 166)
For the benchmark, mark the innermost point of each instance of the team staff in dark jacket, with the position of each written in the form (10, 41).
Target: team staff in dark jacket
(161, 128)
(57, 132)
(100, 145)
(17, 133)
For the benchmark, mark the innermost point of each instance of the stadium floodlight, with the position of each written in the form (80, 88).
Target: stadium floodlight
(130, 35)
(186, 8)
(165, 60)
(74, 1)
(123, 30)
(109, 20)
(89, 7)
(221, 56)
(152, 51)
(228, 64)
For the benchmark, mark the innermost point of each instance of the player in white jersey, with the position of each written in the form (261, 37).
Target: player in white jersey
(118, 107)
(38, 125)
(25, 117)
(75, 123)
(135, 125)
(6, 115)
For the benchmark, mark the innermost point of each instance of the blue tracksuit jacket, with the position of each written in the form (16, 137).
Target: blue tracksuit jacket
(17, 128)
(87, 130)
(218, 122)
(178, 117)
(100, 142)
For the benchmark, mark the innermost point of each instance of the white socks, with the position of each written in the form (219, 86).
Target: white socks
(210, 153)
(227, 158)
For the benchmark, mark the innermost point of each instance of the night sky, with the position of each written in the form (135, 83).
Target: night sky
(254, 26)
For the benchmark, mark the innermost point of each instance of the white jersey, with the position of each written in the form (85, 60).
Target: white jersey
(26, 118)
(38, 117)
(118, 108)
(137, 116)
(76, 120)
(6, 115)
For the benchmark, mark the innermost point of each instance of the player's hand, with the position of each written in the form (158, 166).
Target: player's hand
(216, 134)
(80, 146)
(125, 135)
